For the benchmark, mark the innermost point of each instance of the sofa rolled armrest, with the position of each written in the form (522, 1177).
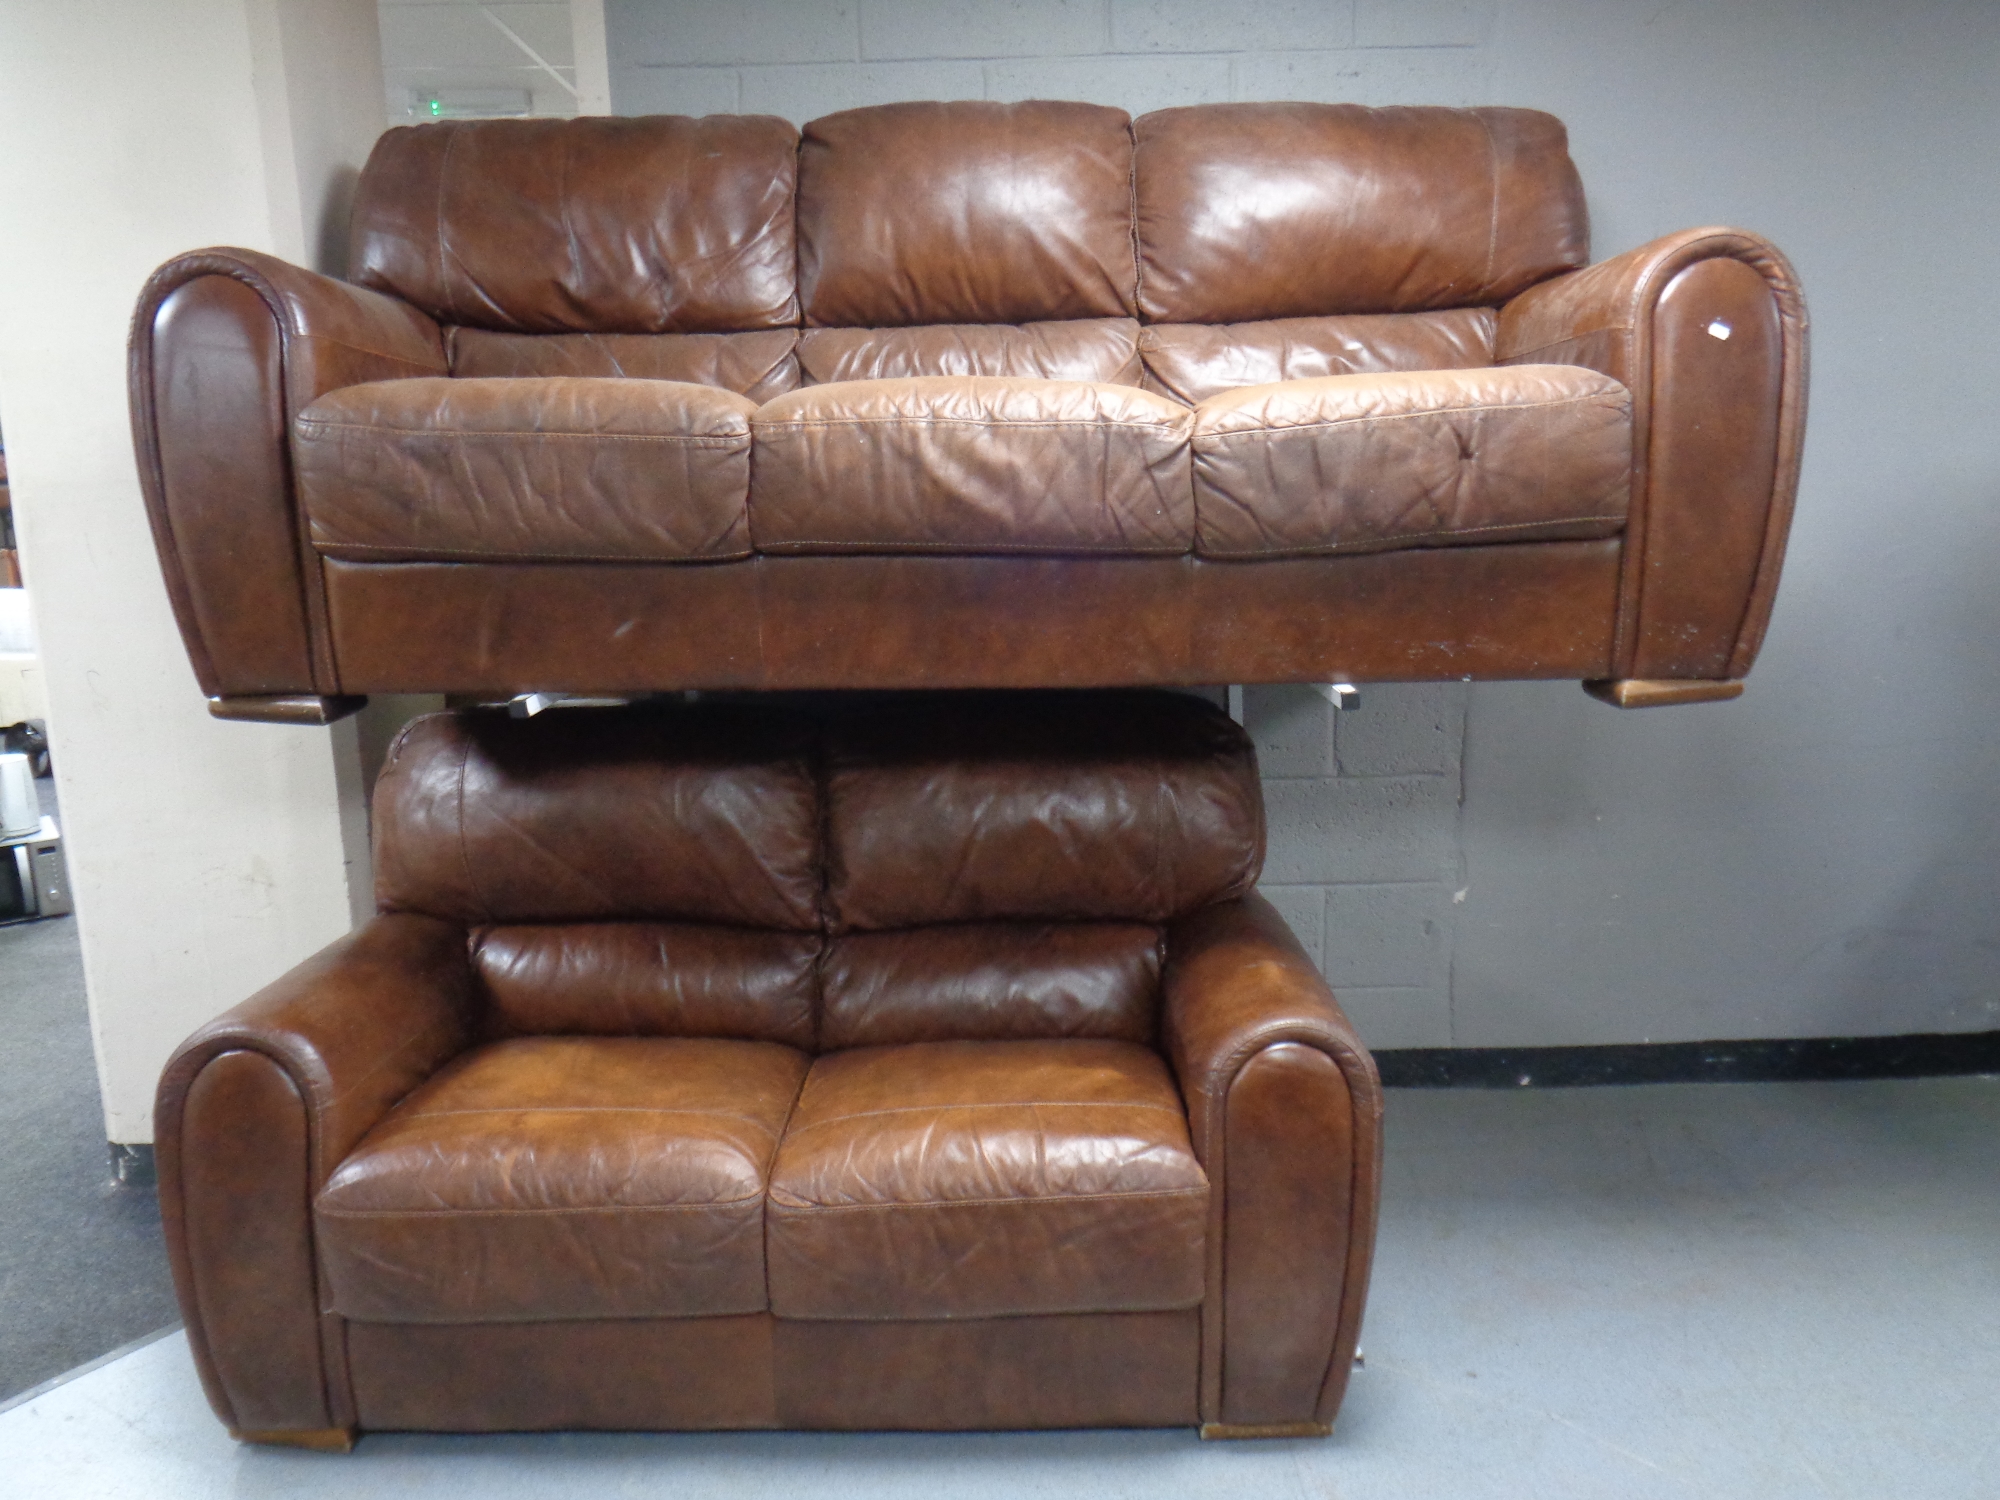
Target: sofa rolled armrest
(253, 1111)
(226, 347)
(1707, 328)
(1285, 1109)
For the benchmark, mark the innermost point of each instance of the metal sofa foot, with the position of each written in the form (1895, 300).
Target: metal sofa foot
(284, 708)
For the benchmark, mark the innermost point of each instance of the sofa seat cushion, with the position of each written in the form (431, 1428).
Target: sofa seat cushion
(535, 469)
(1371, 463)
(564, 1177)
(1193, 361)
(986, 1179)
(1105, 349)
(972, 464)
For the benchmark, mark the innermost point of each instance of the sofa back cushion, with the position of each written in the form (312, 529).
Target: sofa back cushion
(1256, 211)
(760, 364)
(705, 814)
(1134, 807)
(648, 979)
(968, 212)
(601, 225)
(1193, 361)
(991, 981)
(1094, 349)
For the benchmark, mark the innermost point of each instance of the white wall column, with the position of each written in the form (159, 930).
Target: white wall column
(206, 857)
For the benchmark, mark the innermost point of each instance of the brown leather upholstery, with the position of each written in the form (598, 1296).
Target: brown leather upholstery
(969, 332)
(1535, 453)
(1726, 498)
(1000, 808)
(657, 225)
(990, 981)
(1285, 1111)
(1098, 349)
(1194, 361)
(211, 432)
(564, 1177)
(970, 212)
(983, 1179)
(648, 979)
(697, 816)
(759, 364)
(917, 1061)
(972, 464)
(1250, 211)
(1541, 609)
(527, 469)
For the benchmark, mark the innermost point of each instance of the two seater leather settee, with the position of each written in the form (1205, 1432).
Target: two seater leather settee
(971, 394)
(928, 1066)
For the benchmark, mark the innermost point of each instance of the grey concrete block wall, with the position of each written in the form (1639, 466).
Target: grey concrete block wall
(1516, 864)
(1363, 808)
(803, 58)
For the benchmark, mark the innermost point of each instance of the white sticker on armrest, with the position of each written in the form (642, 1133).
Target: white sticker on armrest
(1718, 329)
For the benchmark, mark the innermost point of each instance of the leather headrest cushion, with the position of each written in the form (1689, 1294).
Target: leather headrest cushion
(704, 814)
(1136, 806)
(968, 212)
(654, 225)
(1255, 211)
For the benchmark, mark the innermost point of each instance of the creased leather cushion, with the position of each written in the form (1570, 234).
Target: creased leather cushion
(759, 365)
(1103, 349)
(967, 212)
(986, 1179)
(1193, 361)
(1131, 807)
(971, 464)
(526, 470)
(561, 1177)
(601, 225)
(648, 979)
(704, 814)
(1361, 463)
(1250, 211)
(991, 981)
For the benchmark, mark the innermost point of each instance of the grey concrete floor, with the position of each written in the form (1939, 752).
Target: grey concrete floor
(1757, 1290)
(82, 1268)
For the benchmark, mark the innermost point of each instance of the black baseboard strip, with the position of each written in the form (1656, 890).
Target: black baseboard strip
(1920, 1055)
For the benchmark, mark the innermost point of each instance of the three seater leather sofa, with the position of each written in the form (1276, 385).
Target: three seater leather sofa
(906, 1065)
(971, 394)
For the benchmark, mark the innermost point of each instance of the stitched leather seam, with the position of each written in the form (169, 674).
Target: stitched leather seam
(417, 551)
(589, 1109)
(1049, 549)
(381, 354)
(1041, 1201)
(1493, 177)
(1268, 430)
(1569, 338)
(717, 440)
(490, 1213)
(1308, 548)
(800, 424)
(925, 1109)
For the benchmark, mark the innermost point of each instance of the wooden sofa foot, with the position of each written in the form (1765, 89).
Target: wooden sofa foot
(285, 708)
(1231, 1431)
(1643, 692)
(318, 1439)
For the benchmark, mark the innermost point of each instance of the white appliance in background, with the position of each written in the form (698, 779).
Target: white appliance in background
(17, 630)
(20, 808)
